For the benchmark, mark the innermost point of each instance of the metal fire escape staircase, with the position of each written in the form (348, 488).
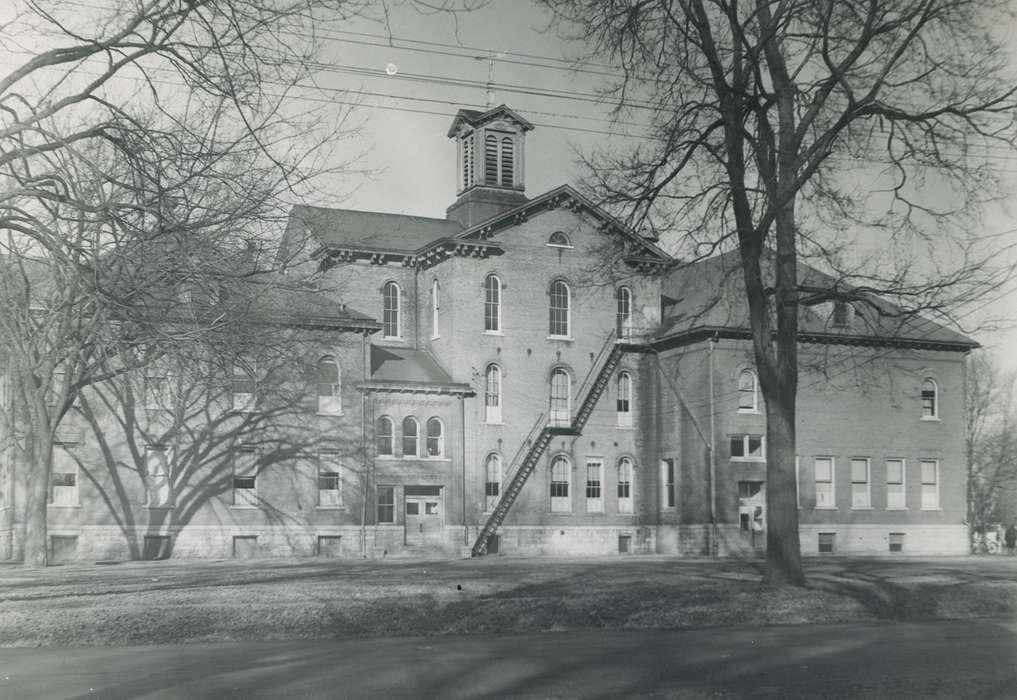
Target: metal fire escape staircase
(544, 429)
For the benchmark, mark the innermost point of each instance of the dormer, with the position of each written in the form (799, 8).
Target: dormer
(491, 162)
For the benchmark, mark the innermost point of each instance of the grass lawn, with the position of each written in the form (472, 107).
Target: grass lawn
(190, 601)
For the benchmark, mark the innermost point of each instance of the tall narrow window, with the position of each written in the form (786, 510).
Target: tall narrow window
(895, 498)
(860, 483)
(559, 310)
(492, 487)
(410, 430)
(467, 161)
(244, 384)
(245, 491)
(492, 394)
(157, 471)
(385, 436)
(667, 475)
(930, 484)
(386, 504)
(623, 315)
(561, 474)
(435, 306)
(330, 493)
(594, 486)
(747, 394)
(930, 400)
(491, 160)
(492, 304)
(329, 388)
(624, 400)
(157, 395)
(625, 485)
(435, 438)
(507, 168)
(825, 496)
(841, 314)
(561, 397)
(390, 311)
(64, 477)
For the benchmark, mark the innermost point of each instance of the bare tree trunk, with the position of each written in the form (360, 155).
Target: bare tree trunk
(783, 550)
(38, 456)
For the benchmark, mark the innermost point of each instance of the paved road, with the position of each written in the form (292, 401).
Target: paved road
(962, 659)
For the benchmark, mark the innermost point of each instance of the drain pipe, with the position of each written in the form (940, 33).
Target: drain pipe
(462, 448)
(714, 545)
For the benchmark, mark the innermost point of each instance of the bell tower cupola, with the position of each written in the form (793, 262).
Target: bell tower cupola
(491, 147)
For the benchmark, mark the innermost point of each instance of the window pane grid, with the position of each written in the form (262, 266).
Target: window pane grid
(492, 304)
(559, 310)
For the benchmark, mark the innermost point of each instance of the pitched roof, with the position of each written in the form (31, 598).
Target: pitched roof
(405, 369)
(367, 229)
(475, 117)
(275, 299)
(708, 297)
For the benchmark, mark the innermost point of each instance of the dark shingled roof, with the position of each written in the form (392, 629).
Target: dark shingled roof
(367, 229)
(406, 366)
(708, 296)
(276, 299)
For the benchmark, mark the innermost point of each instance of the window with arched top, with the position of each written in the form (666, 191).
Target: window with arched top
(624, 400)
(748, 401)
(625, 485)
(559, 240)
(930, 399)
(492, 304)
(411, 433)
(623, 313)
(561, 476)
(490, 159)
(435, 438)
(560, 412)
(385, 436)
(391, 323)
(329, 386)
(559, 312)
(492, 485)
(435, 306)
(492, 394)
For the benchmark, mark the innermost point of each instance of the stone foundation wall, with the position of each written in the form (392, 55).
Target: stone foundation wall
(948, 540)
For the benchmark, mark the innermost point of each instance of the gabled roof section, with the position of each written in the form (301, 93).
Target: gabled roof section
(475, 118)
(708, 298)
(413, 371)
(348, 228)
(643, 255)
(278, 301)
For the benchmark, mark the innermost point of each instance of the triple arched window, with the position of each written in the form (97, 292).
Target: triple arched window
(492, 304)
(329, 386)
(391, 322)
(434, 437)
(559, 320)
(748, 394)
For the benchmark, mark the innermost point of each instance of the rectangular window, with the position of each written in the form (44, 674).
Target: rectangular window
(330, 545)
(827, 542)
(244, 384)
(594, 497)
(64, 491)
(157, 467)
(896, 541)
(825, 491)
(895, 498)
(748, 448)
(245, 493)
(386, 504)
(330, 493)
(667, 482)
(157, 393)
(860, 483)
(930, 484)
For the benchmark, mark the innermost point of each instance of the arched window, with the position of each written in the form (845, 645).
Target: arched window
(930, 399)
(559, 312)
(410, 431)
(507, 170)
(561, 475)
(623, 325)
(747, 394)
(561, 397)
(625, 485)
(390, 312)
(624, 401)
(492, 394)
(329, 387)
(492, 304)
(491, 160)
(435, 438)
(492, 487)
(435, 306)
(559, 239)
(385, 436)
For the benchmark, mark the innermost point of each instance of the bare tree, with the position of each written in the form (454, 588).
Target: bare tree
(991, 442)
(776, 127)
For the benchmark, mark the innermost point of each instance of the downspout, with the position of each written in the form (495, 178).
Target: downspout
(416, 308)
(363, 449)
(462, 448)
(714, 548)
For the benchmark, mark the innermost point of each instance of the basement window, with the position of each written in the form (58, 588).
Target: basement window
(896, 541)
(826, 542)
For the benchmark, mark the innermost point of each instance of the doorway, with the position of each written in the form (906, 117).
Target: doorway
(752, 514)
(425, 518)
